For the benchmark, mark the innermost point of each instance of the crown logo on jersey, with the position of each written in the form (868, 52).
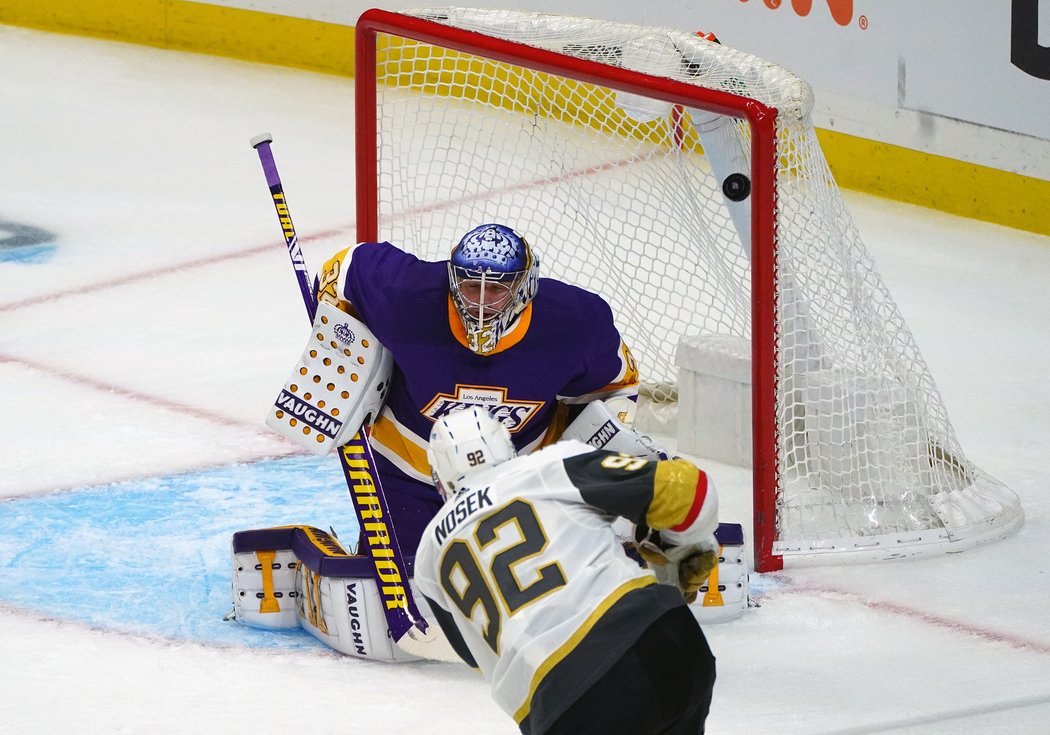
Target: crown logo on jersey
(512, 414)
(344, 334)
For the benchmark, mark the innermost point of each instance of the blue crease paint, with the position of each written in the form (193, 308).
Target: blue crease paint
(153, 556)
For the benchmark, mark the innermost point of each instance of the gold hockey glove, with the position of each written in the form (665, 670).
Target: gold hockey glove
(694, 569)
(685, 567)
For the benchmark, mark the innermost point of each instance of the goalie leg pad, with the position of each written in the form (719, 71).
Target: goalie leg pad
(314, 584)
(346, 613)
(726, 595)
(339, 383)
(264, 572)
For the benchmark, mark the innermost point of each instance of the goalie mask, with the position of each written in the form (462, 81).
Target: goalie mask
(493, 275)
(463, 443)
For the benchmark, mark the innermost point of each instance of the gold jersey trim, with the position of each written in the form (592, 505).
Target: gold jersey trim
(400, 446)
(574, 640)
(674, 493)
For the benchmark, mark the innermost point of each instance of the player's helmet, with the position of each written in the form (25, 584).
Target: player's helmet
(464, 442)
(493, 275)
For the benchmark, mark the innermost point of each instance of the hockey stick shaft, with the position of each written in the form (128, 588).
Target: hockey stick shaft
(261, 144)
(378, 537)
(362, 480)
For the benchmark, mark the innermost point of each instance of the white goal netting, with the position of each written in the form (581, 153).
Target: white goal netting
(645, 202)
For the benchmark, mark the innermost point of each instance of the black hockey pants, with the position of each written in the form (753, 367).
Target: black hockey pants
(661, 686)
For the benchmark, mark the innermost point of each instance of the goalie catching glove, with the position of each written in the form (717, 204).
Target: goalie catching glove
(600, 428)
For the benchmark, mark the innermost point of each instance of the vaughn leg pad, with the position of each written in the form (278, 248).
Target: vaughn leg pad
(727, 592)
(264, 571)
(317, 586)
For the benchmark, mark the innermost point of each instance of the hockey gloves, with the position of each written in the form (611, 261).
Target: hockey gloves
(685, 567)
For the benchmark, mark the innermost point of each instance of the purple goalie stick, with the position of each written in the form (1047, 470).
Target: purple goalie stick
(362, 480)
(261, 144)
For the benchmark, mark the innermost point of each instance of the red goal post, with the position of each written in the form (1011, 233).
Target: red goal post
(763, 123)
(812, 447)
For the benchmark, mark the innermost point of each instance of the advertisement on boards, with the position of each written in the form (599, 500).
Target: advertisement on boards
(989, 65)
(1030, 38)
(985, 63)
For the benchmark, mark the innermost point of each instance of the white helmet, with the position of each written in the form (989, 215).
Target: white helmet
(463, 443)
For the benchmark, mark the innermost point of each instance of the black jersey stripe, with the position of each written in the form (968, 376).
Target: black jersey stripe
(595, 647)
(624, 491)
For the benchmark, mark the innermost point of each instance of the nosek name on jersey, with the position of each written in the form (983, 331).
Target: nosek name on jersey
(465, 507)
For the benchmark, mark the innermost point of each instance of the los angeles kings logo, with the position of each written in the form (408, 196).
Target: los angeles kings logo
(512, 414)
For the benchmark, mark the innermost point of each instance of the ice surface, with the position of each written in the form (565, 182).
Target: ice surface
(139, 349)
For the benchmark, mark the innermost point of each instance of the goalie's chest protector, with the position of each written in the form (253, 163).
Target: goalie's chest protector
(565, 345)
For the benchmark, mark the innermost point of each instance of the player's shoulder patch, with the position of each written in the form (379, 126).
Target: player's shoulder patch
(609, 465)
(615, 483)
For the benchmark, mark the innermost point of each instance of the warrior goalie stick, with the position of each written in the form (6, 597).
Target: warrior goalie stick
(362, 480)
(261, 144)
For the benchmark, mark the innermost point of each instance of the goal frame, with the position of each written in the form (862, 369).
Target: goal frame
(762, 121)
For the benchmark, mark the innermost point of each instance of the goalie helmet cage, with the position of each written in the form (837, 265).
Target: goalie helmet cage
(683, 181)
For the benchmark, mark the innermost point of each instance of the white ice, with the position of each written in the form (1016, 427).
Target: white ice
(152, 341)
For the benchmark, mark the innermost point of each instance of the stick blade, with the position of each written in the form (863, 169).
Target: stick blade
(431, 645)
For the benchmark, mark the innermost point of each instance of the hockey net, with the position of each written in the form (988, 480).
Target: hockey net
(682, 181)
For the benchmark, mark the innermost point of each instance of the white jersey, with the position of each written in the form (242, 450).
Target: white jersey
(531, 584)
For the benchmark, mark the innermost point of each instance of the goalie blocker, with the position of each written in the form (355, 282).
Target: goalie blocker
(291, 577)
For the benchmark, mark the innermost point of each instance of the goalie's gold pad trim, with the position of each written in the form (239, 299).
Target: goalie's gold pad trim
(678, 494)
(713, 596)
(268, 604)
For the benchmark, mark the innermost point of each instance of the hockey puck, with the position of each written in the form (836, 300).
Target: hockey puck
(736, 187)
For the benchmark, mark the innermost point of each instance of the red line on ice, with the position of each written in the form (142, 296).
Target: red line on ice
(192, 411)
(154, 273)
(924, 616)
(272, 246)
(221, 258)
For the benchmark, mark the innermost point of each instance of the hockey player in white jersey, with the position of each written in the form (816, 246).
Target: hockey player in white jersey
(531, 585)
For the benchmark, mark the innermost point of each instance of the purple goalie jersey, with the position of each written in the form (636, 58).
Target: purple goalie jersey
(564, 347)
